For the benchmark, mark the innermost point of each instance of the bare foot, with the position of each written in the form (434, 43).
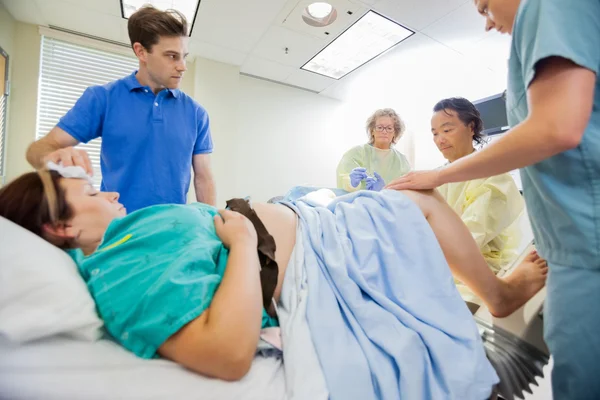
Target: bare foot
(522, 284)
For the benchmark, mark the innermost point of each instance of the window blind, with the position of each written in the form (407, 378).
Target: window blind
(66, 70)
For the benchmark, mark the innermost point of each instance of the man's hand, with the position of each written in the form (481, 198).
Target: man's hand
(234, 229)
(70, 156)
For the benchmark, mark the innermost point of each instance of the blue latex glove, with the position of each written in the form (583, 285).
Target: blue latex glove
(357, 175)
(375, 182)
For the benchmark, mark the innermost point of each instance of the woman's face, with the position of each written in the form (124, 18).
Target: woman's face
(92, 210)
(499, 14)
(383, 132)
(451, 136)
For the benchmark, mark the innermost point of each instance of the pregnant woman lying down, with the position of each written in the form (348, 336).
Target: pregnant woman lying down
(183, 281)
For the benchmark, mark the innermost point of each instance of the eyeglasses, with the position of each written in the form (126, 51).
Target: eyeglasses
(388, 129)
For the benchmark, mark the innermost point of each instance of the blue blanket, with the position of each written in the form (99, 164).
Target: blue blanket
(385, 316)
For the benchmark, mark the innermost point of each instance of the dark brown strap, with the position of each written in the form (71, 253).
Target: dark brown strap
(266, 250)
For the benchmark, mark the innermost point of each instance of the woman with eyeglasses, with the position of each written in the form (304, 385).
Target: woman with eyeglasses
(370, 165)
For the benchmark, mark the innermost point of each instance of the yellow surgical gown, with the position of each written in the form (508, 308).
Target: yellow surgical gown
(490, 208)
(390, 164)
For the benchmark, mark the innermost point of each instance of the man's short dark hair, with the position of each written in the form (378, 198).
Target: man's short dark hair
(148, 24)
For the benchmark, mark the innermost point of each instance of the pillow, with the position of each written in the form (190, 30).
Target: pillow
(41, 291)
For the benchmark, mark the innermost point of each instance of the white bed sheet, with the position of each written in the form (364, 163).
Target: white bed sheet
(65, 369)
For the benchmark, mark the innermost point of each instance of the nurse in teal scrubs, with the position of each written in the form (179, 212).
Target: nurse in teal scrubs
(554, 109)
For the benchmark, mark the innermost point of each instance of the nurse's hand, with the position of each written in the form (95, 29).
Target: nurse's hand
(70, 156)
(357, 175)
(234, 229)
(375, 182)
(417, 180)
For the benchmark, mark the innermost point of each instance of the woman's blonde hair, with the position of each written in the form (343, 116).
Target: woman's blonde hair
(399, 126)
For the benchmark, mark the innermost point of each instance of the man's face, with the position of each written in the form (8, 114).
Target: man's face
(452, 137)
(166, 61)
(499, 14)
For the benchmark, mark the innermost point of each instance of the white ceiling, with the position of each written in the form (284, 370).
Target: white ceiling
(253, 34)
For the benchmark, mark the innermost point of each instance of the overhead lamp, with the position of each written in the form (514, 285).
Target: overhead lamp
(319, 14)
(319, 10)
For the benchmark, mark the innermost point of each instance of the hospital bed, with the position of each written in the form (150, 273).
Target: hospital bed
(62, 368)
(73, 364)
(527, 322)
(531, 375)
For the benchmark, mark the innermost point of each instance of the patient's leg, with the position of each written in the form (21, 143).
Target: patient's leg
(502, 296)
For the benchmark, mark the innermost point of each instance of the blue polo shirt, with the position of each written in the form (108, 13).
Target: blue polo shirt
(562, 192)
(148, 140)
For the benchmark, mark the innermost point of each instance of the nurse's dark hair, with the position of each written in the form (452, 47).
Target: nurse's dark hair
(148, 24)
(34, 200)
(466, 112)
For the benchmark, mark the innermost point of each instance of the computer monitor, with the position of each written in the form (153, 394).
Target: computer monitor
(493, 114)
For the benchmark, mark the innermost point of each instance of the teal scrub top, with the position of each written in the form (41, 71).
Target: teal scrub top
(562, 193)
(156, 270)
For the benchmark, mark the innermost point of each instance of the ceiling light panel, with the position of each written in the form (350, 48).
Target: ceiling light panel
(367, 38)
(187, 7)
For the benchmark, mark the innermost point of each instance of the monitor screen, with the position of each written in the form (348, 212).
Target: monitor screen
(493, 114)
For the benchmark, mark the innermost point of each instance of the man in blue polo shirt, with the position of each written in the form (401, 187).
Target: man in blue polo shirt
(152, 133)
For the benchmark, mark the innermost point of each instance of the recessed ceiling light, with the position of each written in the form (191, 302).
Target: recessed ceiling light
(319, 10)
(319, 14)
(370, 36)
(187, 7)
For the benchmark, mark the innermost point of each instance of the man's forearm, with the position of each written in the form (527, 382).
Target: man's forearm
(561, 100)
(518, 148)
(205, 190)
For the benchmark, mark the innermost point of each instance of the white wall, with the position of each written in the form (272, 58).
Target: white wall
(23, 98)
(286, 137)
(216, 89)
(7, 27)
(268, 137)
(22, 43)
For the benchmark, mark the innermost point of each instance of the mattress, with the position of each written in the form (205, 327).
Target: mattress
(63, 368)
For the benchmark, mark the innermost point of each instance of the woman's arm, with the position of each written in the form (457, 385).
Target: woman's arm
(222, 341)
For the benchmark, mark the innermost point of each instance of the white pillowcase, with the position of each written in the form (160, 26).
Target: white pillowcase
(41, 291)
